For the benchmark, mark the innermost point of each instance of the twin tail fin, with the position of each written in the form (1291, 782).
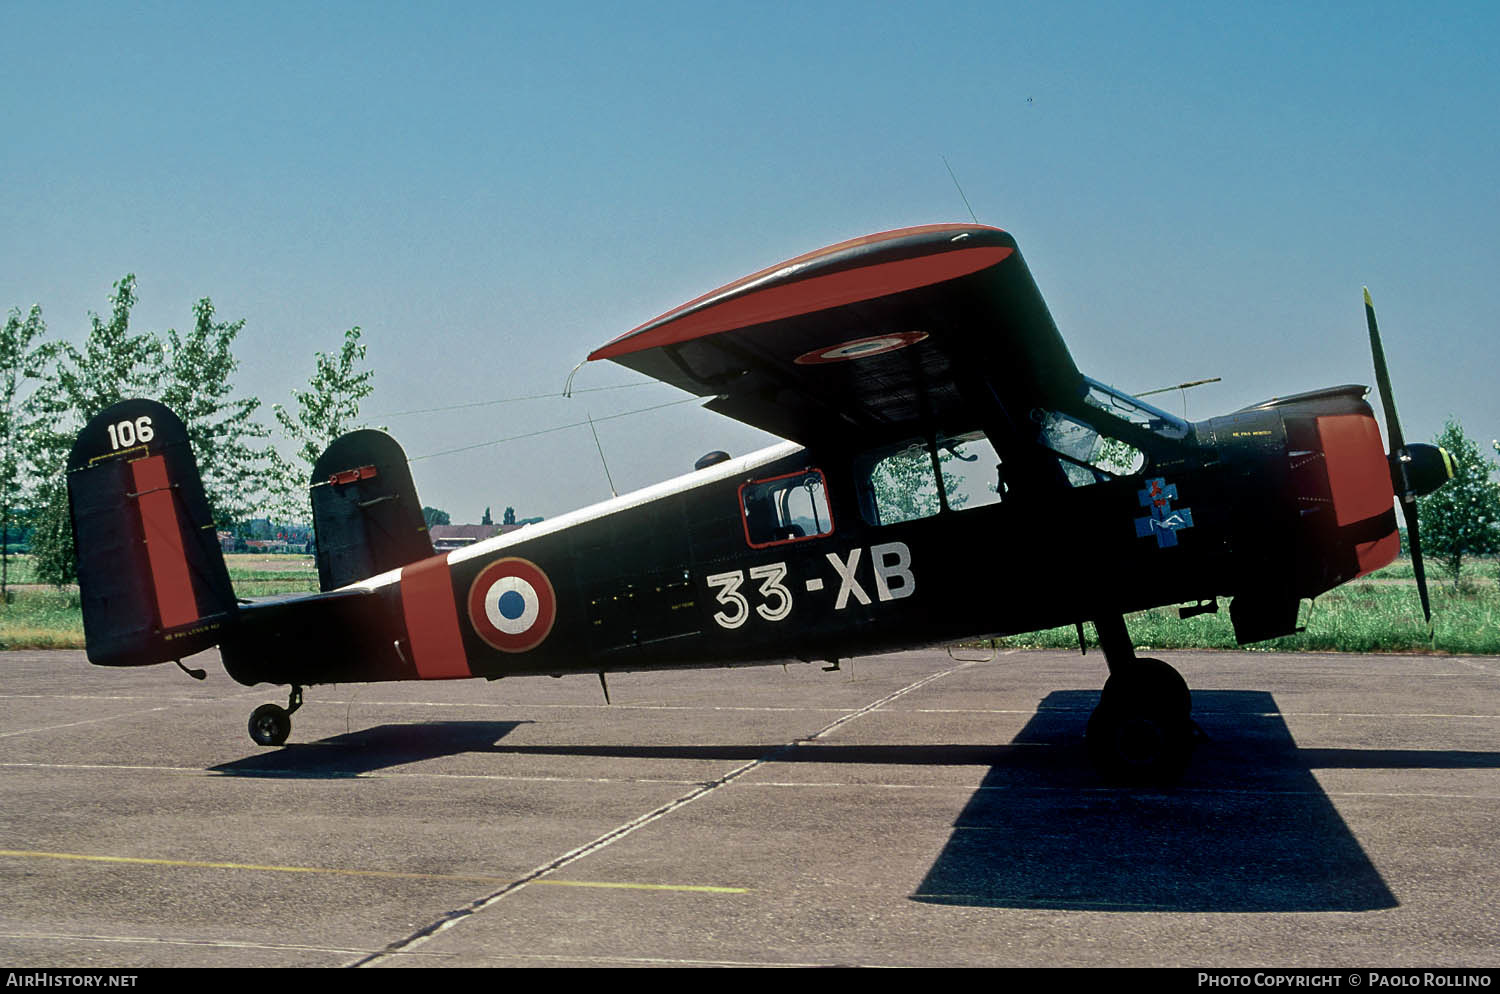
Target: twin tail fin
(151, 573)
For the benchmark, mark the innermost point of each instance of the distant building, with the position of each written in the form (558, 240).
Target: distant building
(448, 537)
(273, 545)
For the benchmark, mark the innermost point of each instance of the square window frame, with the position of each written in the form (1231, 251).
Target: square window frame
(745, 518)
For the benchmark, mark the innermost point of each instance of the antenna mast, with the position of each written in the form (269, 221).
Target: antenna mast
(611, 479)
(960, 189)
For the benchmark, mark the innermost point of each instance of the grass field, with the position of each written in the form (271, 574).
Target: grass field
(42, 617)
(1380, 613)
(1362, 616)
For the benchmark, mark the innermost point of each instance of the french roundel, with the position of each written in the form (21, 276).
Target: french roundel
(861, 348)
(512, 605)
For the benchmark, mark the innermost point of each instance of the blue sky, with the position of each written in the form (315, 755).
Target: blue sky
(492, 190)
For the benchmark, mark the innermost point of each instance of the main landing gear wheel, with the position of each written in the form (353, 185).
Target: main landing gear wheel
(1142, 731)
(270, 724)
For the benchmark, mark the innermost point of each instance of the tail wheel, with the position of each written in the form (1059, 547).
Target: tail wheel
(1142, 730)
(270, 724)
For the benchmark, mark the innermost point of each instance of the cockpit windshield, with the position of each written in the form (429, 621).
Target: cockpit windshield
(1092, 441)
(1087, 456)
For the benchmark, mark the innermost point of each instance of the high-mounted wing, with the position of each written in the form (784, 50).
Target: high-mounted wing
(893, 332)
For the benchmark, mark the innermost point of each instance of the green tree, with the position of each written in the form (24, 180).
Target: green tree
(486, 520)
(196, 386)
(1460, 518)
(21, 361)
(432, 516)
(113, 365)
(1117, 457)
(328, 408)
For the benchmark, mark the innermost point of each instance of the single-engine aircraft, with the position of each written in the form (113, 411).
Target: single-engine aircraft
(948, 473)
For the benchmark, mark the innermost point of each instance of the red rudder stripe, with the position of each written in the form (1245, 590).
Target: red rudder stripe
(176, 603)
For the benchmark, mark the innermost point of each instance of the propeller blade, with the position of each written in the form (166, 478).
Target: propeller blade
(1383, 378)
(1414, 541)
(1428, 459)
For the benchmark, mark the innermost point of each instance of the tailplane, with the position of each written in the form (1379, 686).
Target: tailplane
(151, 574)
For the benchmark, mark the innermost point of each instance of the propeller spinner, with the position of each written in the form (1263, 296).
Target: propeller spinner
(1417, 469)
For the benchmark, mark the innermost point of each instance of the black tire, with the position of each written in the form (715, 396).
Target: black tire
(1142, 731)
(1148, 685)
(270, 725)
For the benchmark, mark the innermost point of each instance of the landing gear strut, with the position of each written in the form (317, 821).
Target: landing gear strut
(270, 724)
(1142, 732)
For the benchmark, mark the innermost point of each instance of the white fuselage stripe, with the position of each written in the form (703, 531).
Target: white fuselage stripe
(677, 485)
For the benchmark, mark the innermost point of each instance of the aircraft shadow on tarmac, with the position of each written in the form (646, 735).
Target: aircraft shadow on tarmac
(372, 749)
(1249, 829)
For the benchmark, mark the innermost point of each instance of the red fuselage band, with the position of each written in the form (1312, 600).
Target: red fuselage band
(437, 646)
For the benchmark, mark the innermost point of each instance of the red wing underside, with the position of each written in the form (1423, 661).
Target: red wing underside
(891, 331)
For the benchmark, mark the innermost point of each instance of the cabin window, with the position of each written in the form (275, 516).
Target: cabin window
(901, 484)
(971, 471)
(790, 508)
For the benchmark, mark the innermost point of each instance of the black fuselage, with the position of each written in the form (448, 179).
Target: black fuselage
(679, 575)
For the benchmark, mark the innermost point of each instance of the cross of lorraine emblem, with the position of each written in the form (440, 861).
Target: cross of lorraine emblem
(1164, 521)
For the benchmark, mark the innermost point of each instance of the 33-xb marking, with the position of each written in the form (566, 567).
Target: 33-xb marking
(891, 563)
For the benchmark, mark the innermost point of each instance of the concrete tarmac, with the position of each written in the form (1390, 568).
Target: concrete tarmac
(908, 810)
